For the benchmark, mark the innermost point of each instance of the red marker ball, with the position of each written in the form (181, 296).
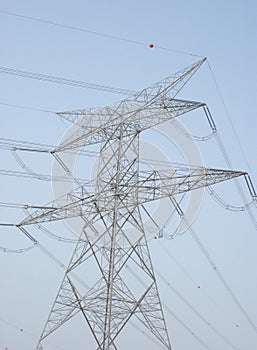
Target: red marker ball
(198, 287)
(151, 45)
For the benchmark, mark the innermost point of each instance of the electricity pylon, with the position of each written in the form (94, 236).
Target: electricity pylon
(111, 208)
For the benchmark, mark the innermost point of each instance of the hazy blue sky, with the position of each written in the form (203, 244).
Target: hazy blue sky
(222, 31)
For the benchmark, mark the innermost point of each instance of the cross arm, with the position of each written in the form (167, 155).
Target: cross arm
(125, 117)
(160, 184)
(73, 204)
(125, 120)
(170, 86)
(166, 88)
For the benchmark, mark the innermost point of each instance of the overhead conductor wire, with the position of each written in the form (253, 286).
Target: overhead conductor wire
(216, 270)
(109, 36)
(182, 323)
(215, 330)
(64, 81)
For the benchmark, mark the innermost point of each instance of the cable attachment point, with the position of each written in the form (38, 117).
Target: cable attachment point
(250, 187)
(209, 118)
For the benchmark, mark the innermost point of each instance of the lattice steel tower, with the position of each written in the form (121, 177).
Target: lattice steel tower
(114, 233)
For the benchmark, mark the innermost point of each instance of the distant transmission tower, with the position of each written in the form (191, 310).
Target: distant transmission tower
(111, 208)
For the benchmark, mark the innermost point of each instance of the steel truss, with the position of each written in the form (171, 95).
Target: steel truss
(114, 234)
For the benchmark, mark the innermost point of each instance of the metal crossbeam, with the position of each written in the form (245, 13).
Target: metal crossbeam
(126, 118)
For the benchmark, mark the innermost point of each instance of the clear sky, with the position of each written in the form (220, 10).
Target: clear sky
(222, 31)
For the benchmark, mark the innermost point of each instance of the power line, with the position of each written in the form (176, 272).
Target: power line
(64, 81)
(15, 326)
(182, 323)
(25, 107)
(194, 310)
(13, 205)
(221, 277)
(27, 146)
(215, 269)
(228, 206)
(104, 35)
(228, 116)
(56, 237)
(21, 145)
(189, 330)
(37, 176)
(219, 274)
